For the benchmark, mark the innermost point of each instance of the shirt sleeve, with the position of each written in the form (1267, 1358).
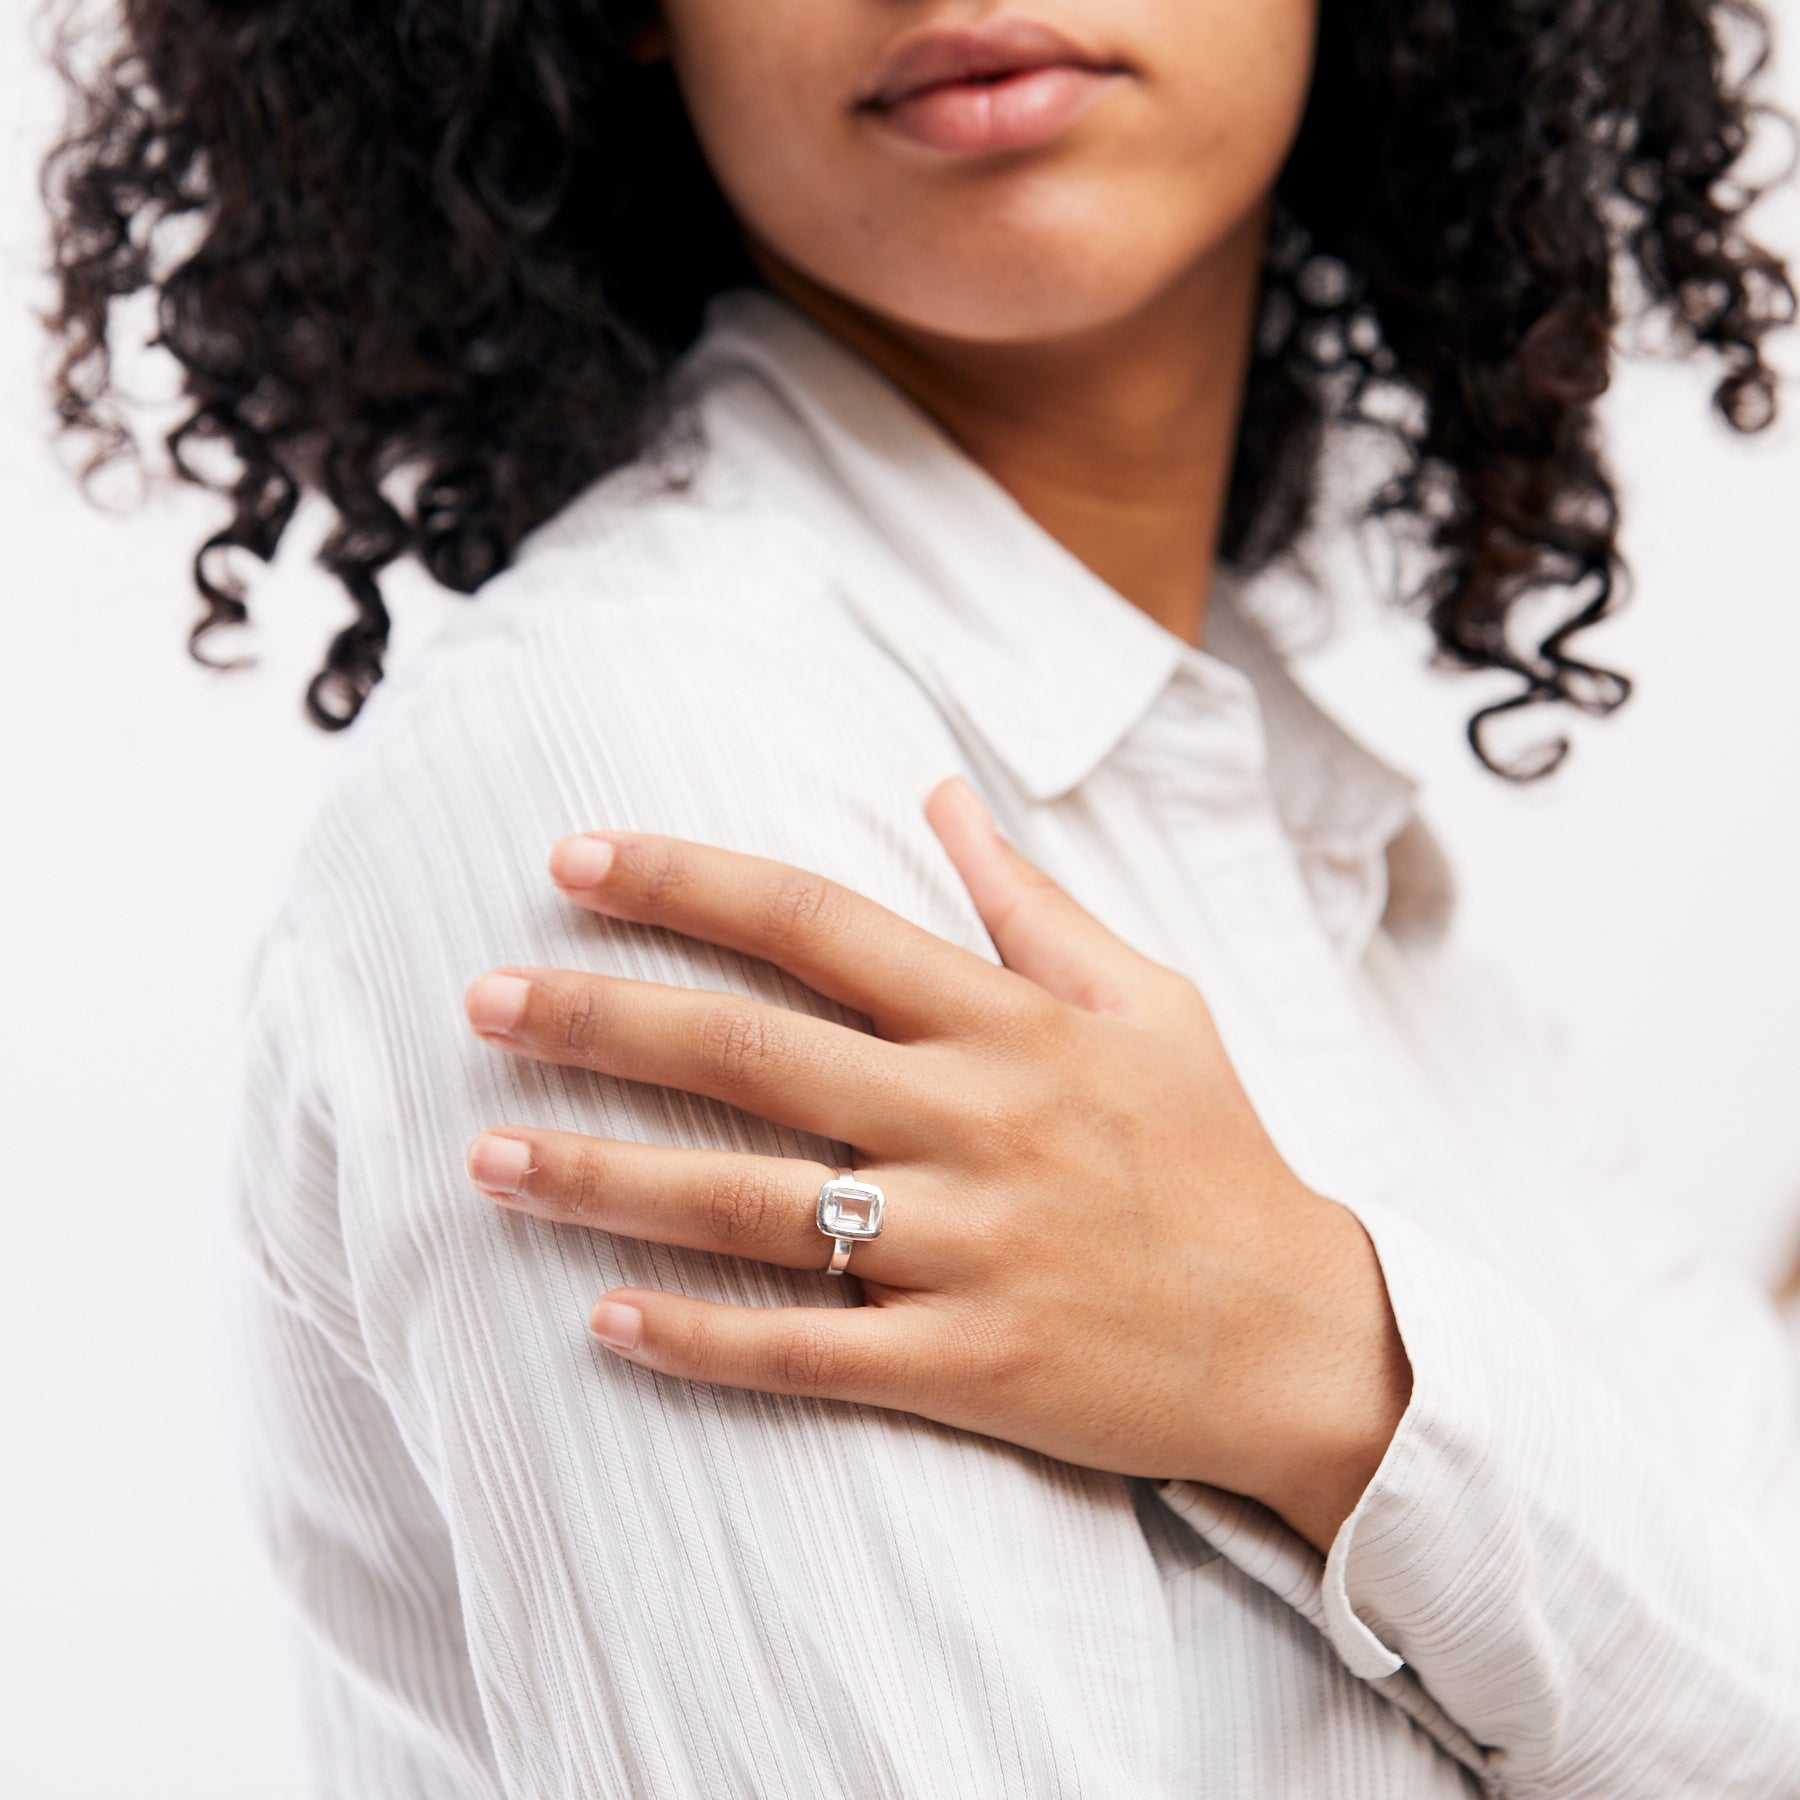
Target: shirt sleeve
(525, 1561)
(1599, 1598)
(363, 1556)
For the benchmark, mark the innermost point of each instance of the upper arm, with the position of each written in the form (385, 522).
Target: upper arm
(353, 1534)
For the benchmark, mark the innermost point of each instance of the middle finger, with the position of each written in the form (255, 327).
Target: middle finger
(785, 1066)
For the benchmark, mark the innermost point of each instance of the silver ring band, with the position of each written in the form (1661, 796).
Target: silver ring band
(848, 1212)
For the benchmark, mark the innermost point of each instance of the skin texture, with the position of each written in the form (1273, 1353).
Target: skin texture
(1077, 316)
(1188, 1307)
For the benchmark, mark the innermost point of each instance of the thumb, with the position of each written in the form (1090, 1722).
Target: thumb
(1040, 930)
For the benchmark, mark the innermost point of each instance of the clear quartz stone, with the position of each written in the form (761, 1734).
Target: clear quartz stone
(850, 1215)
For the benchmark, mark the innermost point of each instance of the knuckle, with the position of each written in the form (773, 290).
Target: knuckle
(795, 904)
(740, 1207)
(584, 1181)
(578, 1021)
(996, 1357)
(994, 1215)
(736, 1045)
(979, 1360)
(660, 871)
(805, 1358)
(1012, 1123)
(1017, 1021)
(1039, 1011)
(1029, 1021)
(688, 1347)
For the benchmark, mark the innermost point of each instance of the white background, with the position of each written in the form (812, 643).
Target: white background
(1648, 894)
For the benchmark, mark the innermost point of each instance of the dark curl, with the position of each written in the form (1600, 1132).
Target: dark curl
(456, 244)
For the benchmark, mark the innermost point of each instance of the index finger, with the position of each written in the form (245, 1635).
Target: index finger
(912, 983)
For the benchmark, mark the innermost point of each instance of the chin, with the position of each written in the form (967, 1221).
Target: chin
(1000, 293)
(1029, 260)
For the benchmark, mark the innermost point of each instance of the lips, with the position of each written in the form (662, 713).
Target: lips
(1006, 84)
(997, 48)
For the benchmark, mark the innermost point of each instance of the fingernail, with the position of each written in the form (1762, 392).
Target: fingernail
(617, 1326)
(973, 804)
(499, 1165)
(580, 862)
(497, 1002)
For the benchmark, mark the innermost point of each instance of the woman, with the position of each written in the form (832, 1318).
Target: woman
(1261, 1376)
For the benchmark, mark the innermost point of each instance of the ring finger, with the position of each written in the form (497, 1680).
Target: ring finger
(762, 1207)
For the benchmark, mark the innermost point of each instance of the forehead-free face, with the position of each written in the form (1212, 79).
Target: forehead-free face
(1049, 203)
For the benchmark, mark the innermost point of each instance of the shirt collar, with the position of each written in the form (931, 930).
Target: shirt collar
(1050, 665)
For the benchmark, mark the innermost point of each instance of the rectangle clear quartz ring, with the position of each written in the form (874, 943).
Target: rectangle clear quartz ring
(851, 1209)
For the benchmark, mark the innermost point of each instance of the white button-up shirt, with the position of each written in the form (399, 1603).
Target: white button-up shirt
(523, 1567)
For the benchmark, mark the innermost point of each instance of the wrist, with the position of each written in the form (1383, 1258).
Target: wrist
(1342, 1377)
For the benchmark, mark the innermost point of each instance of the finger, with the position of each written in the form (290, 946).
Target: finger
(879, 1355)
(765, 1207)
(1040, 930)
(786, 1066)
(909, 981)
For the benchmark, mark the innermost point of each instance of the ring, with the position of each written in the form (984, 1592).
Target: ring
(849, 1211)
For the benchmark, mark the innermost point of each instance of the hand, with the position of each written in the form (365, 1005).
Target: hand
(1092, 1248)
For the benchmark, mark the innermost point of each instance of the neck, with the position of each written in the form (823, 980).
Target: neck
(1118, 441)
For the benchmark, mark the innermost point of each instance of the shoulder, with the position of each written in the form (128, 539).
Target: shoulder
(642, 593)
(688, 670)
(710, 688)
(645, 638)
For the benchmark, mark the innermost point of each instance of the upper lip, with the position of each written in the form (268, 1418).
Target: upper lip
(943, 53)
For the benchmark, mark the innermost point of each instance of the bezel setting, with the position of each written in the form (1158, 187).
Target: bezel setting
(837, 1222)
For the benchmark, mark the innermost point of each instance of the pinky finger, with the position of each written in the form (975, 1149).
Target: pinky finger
(878, 1355)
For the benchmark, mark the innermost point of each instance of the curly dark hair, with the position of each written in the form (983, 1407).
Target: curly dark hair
(432, 238)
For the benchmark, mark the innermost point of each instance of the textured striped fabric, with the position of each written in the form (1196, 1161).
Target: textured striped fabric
(522, 1567)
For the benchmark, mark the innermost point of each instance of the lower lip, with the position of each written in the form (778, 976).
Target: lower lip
(977, 118)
